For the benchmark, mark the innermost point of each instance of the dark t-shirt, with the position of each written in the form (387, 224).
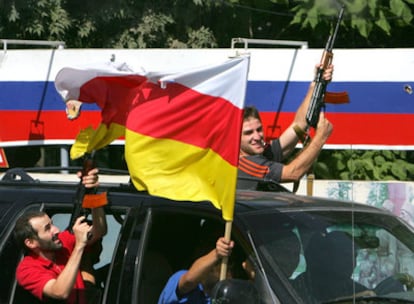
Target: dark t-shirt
(263, 166)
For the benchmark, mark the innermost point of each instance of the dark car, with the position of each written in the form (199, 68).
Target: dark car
(302, 249)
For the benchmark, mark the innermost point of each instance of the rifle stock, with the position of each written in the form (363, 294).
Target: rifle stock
(78, 210)
(317, 102)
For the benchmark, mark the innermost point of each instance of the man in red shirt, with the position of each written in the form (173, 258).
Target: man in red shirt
(51, 266)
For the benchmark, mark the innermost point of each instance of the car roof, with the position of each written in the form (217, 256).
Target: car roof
(246, 200)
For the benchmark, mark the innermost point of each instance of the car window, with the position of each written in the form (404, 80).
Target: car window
(4, 206)
(327, 255)
(102, 254)
(10, 255)
(174, 241)
(109, 241)
(383, 257)
(122, 270)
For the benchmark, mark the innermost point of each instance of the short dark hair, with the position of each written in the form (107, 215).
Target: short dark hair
(251, 112)
(23, 229)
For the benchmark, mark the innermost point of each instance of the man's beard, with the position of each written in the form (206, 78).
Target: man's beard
(50, 245)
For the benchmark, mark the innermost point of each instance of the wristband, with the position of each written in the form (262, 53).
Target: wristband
(300, 133)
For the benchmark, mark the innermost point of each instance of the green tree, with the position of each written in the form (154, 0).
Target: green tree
(374, 165)
(127, 24)
(40, 19)
(369, 20)
(207, 23)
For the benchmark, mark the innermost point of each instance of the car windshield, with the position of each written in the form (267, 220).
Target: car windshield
(328, 255)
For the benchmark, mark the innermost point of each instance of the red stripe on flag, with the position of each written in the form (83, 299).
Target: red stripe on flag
(185, 115)
(113, 94)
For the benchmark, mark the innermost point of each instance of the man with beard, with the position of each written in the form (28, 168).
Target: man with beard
(264, 161)
(50, 269)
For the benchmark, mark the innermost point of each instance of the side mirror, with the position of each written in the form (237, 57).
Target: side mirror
(235, 291)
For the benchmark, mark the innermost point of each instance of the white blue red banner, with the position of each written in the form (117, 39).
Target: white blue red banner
(379, 83)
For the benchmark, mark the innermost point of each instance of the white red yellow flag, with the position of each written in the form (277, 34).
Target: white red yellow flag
(182, 130)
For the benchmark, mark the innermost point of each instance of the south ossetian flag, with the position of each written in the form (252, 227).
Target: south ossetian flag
(182, 130)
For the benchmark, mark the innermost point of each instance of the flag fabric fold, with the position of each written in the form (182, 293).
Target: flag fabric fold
(182, 130)
(112, 87)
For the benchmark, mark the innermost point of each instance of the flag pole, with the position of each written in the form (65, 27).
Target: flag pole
(225, 260)
(309, 183)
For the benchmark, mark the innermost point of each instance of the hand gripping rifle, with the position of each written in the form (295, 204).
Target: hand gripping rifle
(319, 94)
(78, 210)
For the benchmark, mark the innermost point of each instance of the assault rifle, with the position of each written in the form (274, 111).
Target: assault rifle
(78, 210)
(319, 94)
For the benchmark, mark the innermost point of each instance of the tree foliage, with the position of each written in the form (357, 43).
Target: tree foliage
(364, 16)
(365, 165)
(205, 23)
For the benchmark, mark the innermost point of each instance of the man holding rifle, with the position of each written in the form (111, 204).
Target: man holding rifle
(264, 161)
(50, 269)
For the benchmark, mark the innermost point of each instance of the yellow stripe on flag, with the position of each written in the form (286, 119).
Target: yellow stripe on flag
(179, 171)
(89, 139)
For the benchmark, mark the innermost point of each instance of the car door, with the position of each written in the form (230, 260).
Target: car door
(122, 268)
(172, 239)
(59, 208)
(10, 252)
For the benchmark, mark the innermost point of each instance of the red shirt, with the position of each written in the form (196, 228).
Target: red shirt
(34, 271)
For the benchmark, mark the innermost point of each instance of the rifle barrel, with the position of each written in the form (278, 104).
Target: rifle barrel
(88, 164)
(338, 23)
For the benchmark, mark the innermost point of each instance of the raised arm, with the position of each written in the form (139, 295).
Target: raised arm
(304, 160)
(99, 225)
(289, 138)
(61, 287)
(204, 265)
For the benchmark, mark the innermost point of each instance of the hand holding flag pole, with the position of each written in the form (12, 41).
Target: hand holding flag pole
(225, 260)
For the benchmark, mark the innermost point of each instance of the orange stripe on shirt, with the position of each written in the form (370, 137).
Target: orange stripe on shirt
(252, 168)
